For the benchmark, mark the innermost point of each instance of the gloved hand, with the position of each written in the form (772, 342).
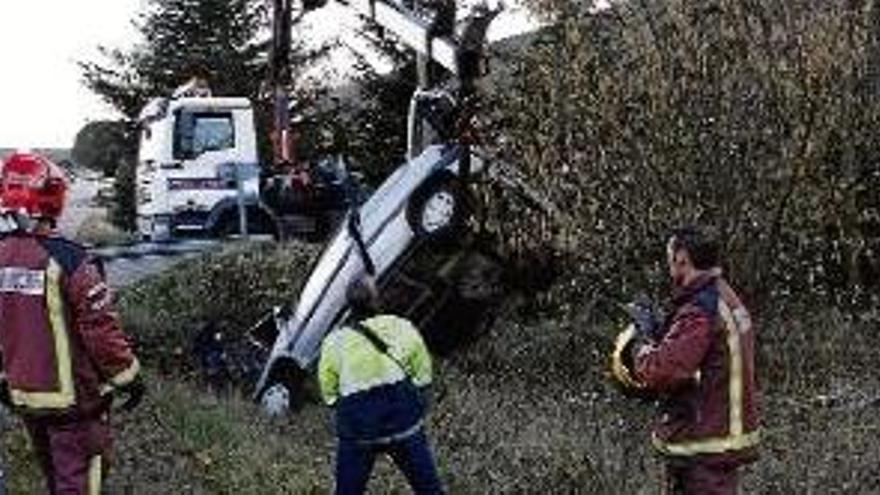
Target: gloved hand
(642, 313)
(134, 392)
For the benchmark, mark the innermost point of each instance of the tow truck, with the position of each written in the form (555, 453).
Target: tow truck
(198, 168)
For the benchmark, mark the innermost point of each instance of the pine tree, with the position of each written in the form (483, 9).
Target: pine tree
(181, 39)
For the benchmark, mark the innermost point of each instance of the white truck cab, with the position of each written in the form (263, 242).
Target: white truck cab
(197, 162)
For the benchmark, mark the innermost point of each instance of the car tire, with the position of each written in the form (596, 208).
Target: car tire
(438, 209)
(284, 392)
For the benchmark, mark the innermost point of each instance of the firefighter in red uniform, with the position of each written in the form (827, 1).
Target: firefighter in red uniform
(700, 361)
(63, 351)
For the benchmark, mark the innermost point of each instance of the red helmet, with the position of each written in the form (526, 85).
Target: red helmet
(33, 185)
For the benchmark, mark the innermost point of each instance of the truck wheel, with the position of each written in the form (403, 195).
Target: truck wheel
(160, 234)
(438, 209)
(227, 227)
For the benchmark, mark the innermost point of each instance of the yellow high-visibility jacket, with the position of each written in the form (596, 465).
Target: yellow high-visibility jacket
(376, 396)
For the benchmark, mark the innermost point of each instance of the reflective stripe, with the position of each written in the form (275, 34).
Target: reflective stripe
(397, 436)
(65, 396)
(127, 375)
(15, 280)
(94, 481)
(708, 445)
(735, 386)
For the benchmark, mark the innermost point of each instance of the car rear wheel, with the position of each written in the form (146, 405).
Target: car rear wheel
(438, 210)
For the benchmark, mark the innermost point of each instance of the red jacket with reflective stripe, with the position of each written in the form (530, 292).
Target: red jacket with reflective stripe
(704, 369)
(60, 340)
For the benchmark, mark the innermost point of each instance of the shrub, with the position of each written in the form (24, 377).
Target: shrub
(231, 289)
(757, 118)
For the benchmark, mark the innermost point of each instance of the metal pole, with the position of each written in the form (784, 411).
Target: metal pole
(242, 208)
(280, 78)
(422, 65)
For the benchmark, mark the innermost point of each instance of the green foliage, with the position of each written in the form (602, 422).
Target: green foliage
(233, 289)
(368, 119)
(181, 39)
(123, 212)
(756, 118)
(96, 230)
(377, 130)
(21, 466)
(103, 145)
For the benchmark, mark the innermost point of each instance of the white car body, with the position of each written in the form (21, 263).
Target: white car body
(387, 233)
(182, 191)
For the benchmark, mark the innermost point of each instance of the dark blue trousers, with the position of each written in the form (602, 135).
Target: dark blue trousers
(412, 455)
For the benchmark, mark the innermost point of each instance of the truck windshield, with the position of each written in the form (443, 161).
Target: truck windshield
(198, 132)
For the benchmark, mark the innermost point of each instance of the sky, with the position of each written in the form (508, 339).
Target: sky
(42, 100)
(42, 103)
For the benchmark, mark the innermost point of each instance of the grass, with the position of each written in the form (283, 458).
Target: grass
(528, 408)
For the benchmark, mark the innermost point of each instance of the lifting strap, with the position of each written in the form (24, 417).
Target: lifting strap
(380, 346)
(356, 233)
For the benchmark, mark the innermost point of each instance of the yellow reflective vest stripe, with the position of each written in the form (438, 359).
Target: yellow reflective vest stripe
(65, 395)
(708, 445)
(95, 475)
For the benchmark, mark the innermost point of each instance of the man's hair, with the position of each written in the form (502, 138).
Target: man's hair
(363, 296)
(701, 245)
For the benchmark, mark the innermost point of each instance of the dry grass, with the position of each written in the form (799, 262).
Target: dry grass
(526, 409)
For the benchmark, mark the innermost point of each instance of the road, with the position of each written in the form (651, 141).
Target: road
(126, 264)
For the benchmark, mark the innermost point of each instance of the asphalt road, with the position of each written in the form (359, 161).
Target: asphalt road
(126, 264)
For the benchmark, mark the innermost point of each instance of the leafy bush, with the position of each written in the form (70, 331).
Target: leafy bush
(231, 289)
(95, 230)
(757, 118)
(103, 145)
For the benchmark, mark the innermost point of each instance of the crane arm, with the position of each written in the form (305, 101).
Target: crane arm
(412, 31)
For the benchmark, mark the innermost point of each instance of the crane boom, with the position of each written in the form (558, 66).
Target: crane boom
(412, 31)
